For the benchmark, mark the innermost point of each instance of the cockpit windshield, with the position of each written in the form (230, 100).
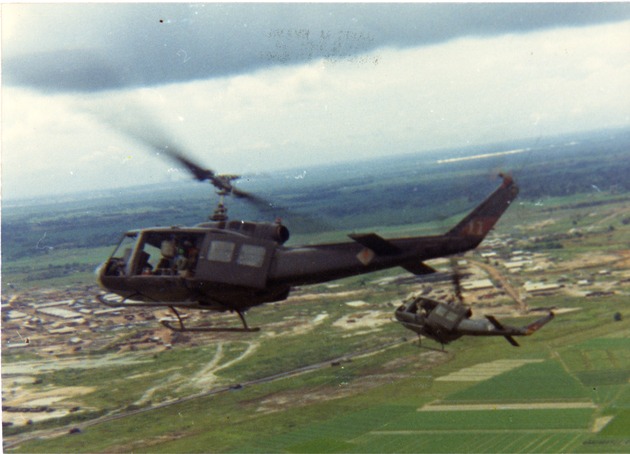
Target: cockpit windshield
(126, 245)
(119, 260)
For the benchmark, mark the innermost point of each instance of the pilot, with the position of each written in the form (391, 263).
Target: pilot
(168, 249)
(181, 261)
(188, 259)
(143, 263)
(192, 253)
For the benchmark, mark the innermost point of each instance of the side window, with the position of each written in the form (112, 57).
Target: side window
(221, 251)
(250, 255)
(451, 316)
(441, 311)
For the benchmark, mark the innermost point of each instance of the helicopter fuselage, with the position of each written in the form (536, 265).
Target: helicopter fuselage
(236, 265)
(221, 267)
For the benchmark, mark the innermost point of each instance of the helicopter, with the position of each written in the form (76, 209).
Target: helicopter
(445, 322)
(234, 265)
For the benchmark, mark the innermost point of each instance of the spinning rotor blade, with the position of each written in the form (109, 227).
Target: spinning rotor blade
(221, 182)
(149, 134)
(141, 126)
(258, 202)
(197, 171)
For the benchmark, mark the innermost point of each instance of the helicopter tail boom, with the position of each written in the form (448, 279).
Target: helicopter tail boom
(528, 330)
(369, 252)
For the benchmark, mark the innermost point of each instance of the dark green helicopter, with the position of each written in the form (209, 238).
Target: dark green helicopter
(233, 265)
(445, 322)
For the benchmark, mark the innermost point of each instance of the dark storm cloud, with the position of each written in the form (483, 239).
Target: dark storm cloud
(98, 47)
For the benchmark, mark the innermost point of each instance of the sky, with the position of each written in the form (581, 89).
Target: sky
(91, 93)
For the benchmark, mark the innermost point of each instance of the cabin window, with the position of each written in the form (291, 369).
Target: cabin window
(441, 311)
(452, 316)
(167, 253)
(251, 255)
(221, 251)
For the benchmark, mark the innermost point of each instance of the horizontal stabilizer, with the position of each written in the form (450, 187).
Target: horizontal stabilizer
(500, 327)
(495, 322)
(419, 268)
(376, 243)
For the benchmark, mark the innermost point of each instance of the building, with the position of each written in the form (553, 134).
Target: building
(479, 284)
(65, 314)
(541, 287)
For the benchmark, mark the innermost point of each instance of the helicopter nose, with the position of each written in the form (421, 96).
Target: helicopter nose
(97, 272)
(404, 317)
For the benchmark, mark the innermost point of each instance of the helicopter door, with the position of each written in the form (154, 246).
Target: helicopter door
(243, 261)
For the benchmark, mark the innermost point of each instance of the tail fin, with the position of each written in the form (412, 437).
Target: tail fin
(533, 327)
(481, 220)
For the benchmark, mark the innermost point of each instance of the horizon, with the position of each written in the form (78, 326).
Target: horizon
(453, 155)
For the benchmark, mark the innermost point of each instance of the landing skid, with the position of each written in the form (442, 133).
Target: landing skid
(433, 349)
(181, 328)
(420, 345)
(207, 329)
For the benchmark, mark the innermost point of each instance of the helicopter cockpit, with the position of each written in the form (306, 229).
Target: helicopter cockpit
(160, 252)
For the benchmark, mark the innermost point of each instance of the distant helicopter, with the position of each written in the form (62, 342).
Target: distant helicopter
(233, 265)
(446, 322)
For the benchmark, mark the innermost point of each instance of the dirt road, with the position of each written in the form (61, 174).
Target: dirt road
(496, 276)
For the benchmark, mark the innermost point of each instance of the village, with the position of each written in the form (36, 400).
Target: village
(44, 321)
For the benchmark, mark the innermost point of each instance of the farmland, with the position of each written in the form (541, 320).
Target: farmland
(330, 371)
(399, 400)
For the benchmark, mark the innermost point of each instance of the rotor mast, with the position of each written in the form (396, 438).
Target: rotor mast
(220, 212)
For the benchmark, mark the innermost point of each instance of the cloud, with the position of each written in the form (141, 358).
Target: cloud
(92, 47)
(386, 101)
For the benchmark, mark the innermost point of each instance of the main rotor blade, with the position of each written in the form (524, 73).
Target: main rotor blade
(197, 171)
(157, 140)
(259, 202)
(137, 123)
(144, 129)
(160, 143)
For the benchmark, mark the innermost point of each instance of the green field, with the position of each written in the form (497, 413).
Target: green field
(380, 402)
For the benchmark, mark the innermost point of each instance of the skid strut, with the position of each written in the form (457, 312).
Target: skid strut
(182, 328)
